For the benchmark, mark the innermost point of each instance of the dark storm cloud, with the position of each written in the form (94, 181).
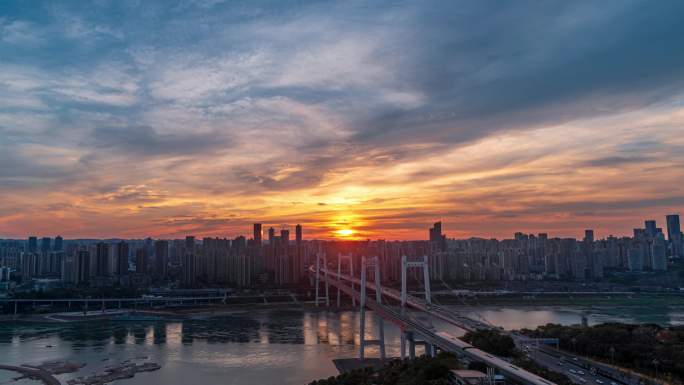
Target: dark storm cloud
(487, 66)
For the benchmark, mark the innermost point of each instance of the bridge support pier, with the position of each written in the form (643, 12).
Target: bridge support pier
(411, 344)
(378, 298)
(403, 344)
(350, 262)
(318, 279)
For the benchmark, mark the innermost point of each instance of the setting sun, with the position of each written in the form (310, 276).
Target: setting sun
(344, 232)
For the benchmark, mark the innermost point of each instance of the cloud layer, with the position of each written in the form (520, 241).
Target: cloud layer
(153, 118)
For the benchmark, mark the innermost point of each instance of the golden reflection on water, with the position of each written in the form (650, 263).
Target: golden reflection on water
(173, 334)
(347, 328)
(323, 328)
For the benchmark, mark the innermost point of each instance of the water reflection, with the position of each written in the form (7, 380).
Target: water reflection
(285, 346)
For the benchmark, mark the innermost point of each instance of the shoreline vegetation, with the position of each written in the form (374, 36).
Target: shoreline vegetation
(437, 371)
(422, 370)
(502, 345)
(647, 349)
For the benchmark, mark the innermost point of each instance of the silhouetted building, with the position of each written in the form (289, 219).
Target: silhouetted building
(83, 266)
(122, 258)
(32, 244)
(674, 235)
(257, 234)
(141, 260)
(45, 244)
(102, 259)
(161, 258)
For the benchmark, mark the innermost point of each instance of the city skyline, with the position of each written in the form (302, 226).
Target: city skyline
(260, 232)
(356, 120)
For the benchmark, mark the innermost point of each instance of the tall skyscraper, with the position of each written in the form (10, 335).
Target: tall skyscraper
(59, 243)
(271, 234)
(189, 261)
(122, 258)
(673, 228)
(82, 266)
(298, 233)
(650, 228)
(257, 233)
(161, 258)
(589, 235)
(141, 260)
(674, 235)
(102, 259)
(437, 239)
(45, 244)
(190, 243)
(32, 244)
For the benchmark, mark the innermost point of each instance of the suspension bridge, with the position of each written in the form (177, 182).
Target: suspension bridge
(413, 332)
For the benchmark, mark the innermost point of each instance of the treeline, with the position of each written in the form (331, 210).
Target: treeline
(645, 348)
(419, 371)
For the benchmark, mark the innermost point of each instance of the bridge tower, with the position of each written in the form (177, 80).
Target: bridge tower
(350, 262)
(374, 262)
(407, 335)
(319, 256)
(405, 265)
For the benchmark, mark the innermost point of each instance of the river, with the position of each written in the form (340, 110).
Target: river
(267, 346)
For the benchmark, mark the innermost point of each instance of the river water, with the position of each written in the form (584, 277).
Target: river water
(268, 346)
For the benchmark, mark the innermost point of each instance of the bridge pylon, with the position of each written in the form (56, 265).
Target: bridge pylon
(405, 265)
(407, 336)
(325, 298)
(350, 262)
(374, 262)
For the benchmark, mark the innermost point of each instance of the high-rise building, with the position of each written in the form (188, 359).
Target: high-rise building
(32, 244)
(298, 233)
(271, 235)
(257, 234)
(589, 235)
(45, 244)
(673, 228)
(161, 258)
(659, 254)
(82, 266)
(141, 258)
(189, 261)
(190, 243)
(437, 239)
(189, 268)
(102, 259)
(122, 258)
(59, 243)
(650, 228)
(674, 235)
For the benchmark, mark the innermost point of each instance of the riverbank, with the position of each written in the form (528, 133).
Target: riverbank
(588, 299)
(39, 374)
(169, 314)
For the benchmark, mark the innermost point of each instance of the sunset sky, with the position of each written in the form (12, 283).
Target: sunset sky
(159, 118)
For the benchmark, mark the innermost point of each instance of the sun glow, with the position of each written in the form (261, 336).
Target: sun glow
(344, 232)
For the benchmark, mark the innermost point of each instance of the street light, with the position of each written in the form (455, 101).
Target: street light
(612, 354)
